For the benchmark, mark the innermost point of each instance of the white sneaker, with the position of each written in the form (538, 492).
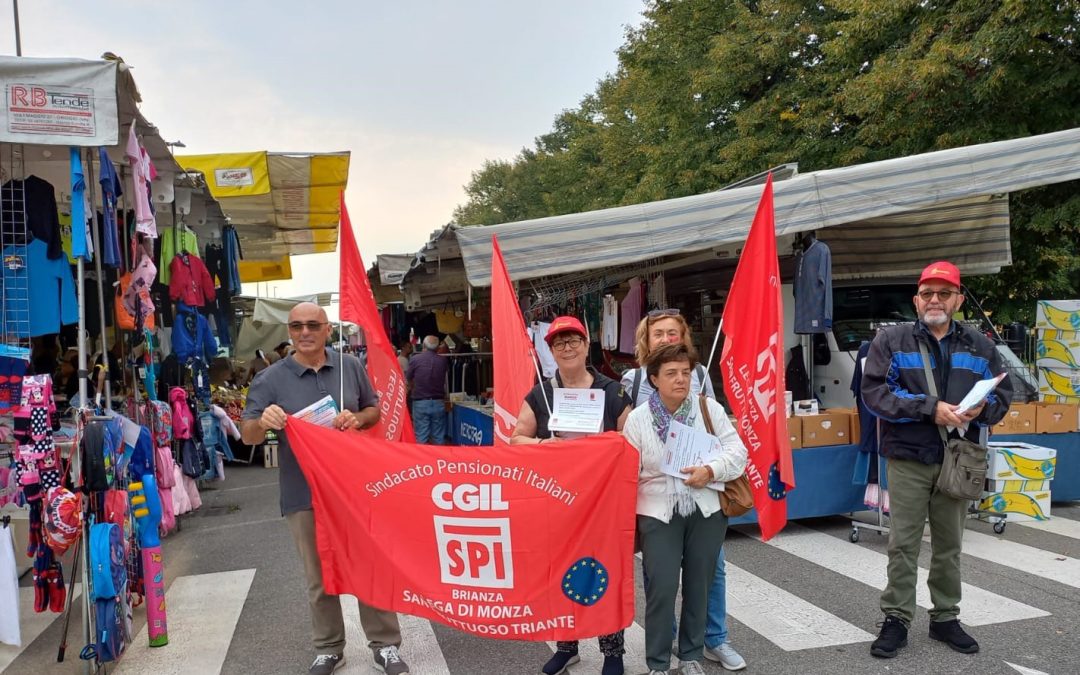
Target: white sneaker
(691, 668)
(726, 656)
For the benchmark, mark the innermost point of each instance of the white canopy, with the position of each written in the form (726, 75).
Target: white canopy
(885, 218)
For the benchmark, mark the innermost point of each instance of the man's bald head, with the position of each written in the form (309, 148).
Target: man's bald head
(307, 311)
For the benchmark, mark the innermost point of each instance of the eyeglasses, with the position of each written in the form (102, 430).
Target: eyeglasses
(570, 343)
(662, 312)
(312, 326)
(927, 296)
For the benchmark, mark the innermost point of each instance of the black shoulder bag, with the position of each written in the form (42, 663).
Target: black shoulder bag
(963, 467)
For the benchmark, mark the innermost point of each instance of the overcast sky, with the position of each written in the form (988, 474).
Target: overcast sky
(421, 92)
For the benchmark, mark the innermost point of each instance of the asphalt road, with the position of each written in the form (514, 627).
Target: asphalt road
(805, 603)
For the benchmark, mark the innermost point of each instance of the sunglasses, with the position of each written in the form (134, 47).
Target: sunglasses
(662, 312)
(312, 326)
(944, 296)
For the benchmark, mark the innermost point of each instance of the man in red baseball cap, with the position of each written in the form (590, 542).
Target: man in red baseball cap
(915, 414)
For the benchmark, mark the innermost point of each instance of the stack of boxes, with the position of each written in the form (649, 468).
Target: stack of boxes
(810, 428)
(1018, 481)
(1058, 350)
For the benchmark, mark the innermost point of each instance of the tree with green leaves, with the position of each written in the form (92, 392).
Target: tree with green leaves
(707, 92)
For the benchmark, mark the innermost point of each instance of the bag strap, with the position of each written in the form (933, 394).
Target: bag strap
(703, 400)
(637, 385)
(931, 384)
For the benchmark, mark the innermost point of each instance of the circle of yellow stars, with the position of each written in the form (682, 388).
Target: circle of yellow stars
(599, 574)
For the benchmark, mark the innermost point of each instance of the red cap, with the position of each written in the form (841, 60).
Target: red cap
(941, 271)
(565, 324)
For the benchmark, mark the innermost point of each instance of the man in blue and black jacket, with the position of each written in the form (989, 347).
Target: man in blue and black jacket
(894, 388)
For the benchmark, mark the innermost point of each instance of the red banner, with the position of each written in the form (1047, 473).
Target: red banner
(515, 373)
(357, 305)
(753, 368)
(498, 542)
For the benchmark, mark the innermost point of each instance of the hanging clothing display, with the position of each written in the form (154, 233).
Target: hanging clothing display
(30, 206)
(630, 316)
(657, 295)
(538, 330)
(813, 289)
(230, 243)
(12, 371)
(609, 324)
(111, 190)
(80, 239)
(9, 589)
(191, 336)
(190, 281)
(140, 178)
(175, 240)
(39, 292)
(136, 297)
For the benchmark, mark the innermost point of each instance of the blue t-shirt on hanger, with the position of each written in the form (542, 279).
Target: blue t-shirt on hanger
(39, 293)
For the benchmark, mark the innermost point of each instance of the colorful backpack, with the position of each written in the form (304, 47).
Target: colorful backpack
(63, 519)
(108, 572)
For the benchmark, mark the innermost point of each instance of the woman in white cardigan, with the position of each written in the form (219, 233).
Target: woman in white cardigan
(680, 525)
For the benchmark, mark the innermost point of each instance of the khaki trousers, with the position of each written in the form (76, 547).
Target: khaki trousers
(327, 624)
(913, 499)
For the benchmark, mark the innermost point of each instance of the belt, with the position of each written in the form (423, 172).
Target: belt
(428, 398)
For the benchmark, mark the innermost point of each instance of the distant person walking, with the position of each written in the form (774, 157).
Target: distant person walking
(426, 375)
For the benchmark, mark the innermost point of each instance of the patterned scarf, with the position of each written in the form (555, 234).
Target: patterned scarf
(679, 496)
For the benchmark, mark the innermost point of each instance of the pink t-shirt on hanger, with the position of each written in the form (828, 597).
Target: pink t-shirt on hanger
(631, 316)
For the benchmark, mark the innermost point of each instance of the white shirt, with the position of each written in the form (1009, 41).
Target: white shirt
(656, 487)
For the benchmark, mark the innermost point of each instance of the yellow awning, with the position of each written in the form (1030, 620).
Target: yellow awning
(281, 204)
(265, 270)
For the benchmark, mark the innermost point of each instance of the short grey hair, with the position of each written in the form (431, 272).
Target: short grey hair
(431, 342)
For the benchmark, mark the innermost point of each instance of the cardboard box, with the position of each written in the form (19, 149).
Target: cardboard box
(825, 429)
(1055, 418)
(787, 403)
(794, 432)
(270, 455)
(806, 407)
(1017, 486)
(1059, 385)
(854, 425)
(1057, 315)
(1019, 506)
(1021, 461)
(1019, 419)
(1058, 349)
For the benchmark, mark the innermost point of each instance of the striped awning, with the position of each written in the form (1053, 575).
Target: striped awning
(885, 218)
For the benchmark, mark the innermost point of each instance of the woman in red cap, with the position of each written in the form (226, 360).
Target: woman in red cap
(570, 345)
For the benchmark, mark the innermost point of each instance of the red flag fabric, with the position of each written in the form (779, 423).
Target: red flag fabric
(515, 373)
(495, 541)
(752, 362)
(357, 305)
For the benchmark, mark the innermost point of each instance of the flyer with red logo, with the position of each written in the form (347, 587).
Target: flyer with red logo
(511, 542)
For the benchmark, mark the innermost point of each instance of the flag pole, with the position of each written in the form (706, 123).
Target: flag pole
(540, 378)
(712, 352)
(341, 354)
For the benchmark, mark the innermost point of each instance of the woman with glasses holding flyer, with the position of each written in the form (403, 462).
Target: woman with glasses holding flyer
(536, 424)
(658, 328)
(680, 525)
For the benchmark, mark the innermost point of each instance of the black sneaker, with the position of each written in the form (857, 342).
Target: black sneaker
(560, 661)
(389, 661)
(325, 664)
(892, 637)
(953, 635)
(612, 666)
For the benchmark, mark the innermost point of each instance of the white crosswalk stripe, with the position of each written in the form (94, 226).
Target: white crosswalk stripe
(32, 624)
(786, 620)
(1028, 559)
(198, 639)
(979, 607)
(1056, 525)
(414, 631)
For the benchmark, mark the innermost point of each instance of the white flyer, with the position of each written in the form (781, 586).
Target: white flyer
(686, 446)
(577, 411)
(321, 412)
(977, 395)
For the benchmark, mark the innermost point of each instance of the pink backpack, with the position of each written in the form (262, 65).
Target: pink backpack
(183, 422)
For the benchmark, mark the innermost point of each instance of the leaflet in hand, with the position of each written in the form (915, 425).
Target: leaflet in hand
(977, 395)
(321, 412)
(577, 411)
(686, 446)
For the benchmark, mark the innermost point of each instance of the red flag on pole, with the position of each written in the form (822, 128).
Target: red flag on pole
(513, 357)
(357, 305)
(752, 363)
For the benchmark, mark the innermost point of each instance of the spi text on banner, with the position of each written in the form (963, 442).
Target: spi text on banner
(495, 541)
